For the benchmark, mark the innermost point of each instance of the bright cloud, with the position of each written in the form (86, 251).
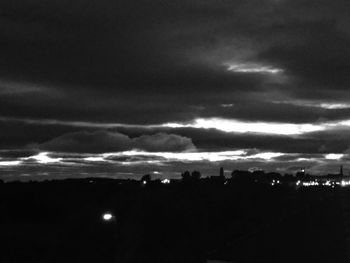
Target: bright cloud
(9, 163)
(232, 125)
(198, 156)
(318, 104)
(43, 158)
(333, 106)
(252, 68)
(222, 124)
(333, 156)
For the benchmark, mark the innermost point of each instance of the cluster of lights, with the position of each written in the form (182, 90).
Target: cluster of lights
(165, 181)
(327, 183)
(345, 183)
(311, 183)
(274, 182)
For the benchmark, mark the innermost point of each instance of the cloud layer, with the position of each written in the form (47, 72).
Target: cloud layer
(110, 76)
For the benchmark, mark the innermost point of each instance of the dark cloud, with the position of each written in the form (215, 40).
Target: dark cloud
(15, 154)
(332, 141)
(104, 141)
(87, 142)
(121, 58)
(162, 142)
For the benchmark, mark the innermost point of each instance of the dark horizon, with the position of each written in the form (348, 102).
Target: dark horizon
(257, 175)
(194, 220)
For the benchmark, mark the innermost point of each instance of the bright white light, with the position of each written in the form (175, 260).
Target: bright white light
(107, 216)
(166, 181)
(333, 156)
(144, 182)
(232, 125)
(44, 158)
(252, 68)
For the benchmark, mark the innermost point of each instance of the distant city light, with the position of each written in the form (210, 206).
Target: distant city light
(166, 181)
(344, 183)
(316, 183)
(274, 182)
(107, 216)
(311, 183)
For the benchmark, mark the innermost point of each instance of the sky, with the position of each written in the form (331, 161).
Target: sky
(119, 89)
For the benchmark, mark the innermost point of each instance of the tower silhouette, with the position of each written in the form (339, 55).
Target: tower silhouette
(341, 170)
(222, 172)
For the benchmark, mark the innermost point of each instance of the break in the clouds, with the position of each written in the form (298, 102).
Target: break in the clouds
(184, 77)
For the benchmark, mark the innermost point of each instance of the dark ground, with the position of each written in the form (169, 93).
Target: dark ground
(61, 221)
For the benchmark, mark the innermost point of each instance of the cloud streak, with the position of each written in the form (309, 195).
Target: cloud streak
(222, 124)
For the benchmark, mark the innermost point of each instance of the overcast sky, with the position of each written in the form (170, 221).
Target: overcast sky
(124, 88)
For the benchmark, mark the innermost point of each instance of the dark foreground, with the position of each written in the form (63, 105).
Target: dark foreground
(62, 221)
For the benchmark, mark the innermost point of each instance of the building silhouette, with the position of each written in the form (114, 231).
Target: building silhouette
(341, 170)
(222, 172)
